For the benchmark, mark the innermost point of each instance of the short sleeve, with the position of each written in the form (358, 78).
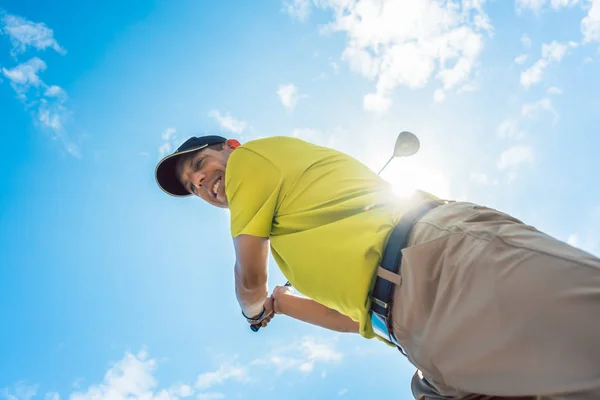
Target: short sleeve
(252, 185)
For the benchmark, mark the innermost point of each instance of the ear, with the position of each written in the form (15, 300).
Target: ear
(232, 143)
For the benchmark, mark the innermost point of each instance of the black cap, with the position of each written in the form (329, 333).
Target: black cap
(165, 170)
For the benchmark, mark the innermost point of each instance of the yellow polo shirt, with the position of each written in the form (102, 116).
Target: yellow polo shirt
(327, 215)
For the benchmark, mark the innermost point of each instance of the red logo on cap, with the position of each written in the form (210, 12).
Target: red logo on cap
(233, 143)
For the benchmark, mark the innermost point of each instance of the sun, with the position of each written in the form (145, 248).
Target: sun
(409, 174)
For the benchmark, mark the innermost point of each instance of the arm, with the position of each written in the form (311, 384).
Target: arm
(310, 311)
(251, 273)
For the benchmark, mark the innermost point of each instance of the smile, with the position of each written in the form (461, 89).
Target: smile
(215, 187)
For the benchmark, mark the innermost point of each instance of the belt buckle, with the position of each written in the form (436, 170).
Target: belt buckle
(380, 303)
(380, 327)
(379, 323)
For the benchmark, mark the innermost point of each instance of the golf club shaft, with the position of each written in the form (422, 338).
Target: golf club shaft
(386, 164)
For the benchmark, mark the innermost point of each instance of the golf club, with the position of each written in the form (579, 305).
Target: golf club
(407, 144)
(256, 327)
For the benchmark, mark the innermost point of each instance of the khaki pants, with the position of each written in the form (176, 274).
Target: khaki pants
(491, 308)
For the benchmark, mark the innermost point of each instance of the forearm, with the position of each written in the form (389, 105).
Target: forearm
(251, 290)
(310, 311)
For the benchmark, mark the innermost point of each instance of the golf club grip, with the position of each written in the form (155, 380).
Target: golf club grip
(256, 327)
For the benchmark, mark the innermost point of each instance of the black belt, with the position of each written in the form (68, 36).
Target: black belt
(381, 296)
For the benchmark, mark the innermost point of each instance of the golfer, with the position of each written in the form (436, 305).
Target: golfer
(482, 304)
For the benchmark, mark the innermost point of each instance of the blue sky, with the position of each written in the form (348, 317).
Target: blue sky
(109, 288)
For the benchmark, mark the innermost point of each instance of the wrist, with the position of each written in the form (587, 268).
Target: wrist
(280, 302)
(251, 310)
(257, 317)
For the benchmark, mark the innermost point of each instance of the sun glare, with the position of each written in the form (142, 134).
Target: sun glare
(410, 174)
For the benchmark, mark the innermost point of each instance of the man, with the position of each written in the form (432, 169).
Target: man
(482, 304)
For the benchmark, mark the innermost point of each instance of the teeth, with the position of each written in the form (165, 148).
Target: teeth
(216, 186)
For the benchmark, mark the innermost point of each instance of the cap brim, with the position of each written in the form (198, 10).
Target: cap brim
(166, 176)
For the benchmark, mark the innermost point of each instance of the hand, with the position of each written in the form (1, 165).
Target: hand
(268, 313)
(278, 292)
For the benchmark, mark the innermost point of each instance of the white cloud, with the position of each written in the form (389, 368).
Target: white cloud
(19, 391)
(183, 390)
(54, 91)
(319, 351)
(224, 373)
(164, 149)
(551, 52)
(306, 367)
(376, 102)
(590, 25)
(509, 129)
(360, 61)
(537, 5)
(481, 178)
(342, 392)
(533, 110)
(573, 240)
(281, 363)
(130, 377)
(468, 87)
(47, 101)
(73, 149)
(25, 75)
(534, 74)
(49, 111)
(168, 142)
(532, 4)
(24, 33)
(53, 116)
(554, 51)
(227, 122)
(134, 376)
(439, 96)
(554, 90)
(521, 59)
(288, 95)
(50, 119)
(409, 42)
(303, 355)
(587, 242)
(210, 396)
(168, 134)
(334, 66)
(299, 9)
(526, 40)
(556, 4)
(586, 236)
(516, 156)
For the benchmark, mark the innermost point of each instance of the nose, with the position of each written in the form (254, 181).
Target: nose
(197, 179)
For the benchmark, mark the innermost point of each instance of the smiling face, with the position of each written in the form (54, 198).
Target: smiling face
(202, 173)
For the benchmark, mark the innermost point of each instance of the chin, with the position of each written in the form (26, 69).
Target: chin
(220, 205)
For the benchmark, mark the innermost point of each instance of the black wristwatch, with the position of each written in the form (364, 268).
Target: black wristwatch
(261, 316)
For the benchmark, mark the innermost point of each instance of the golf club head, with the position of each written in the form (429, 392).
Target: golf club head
(407, 144)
